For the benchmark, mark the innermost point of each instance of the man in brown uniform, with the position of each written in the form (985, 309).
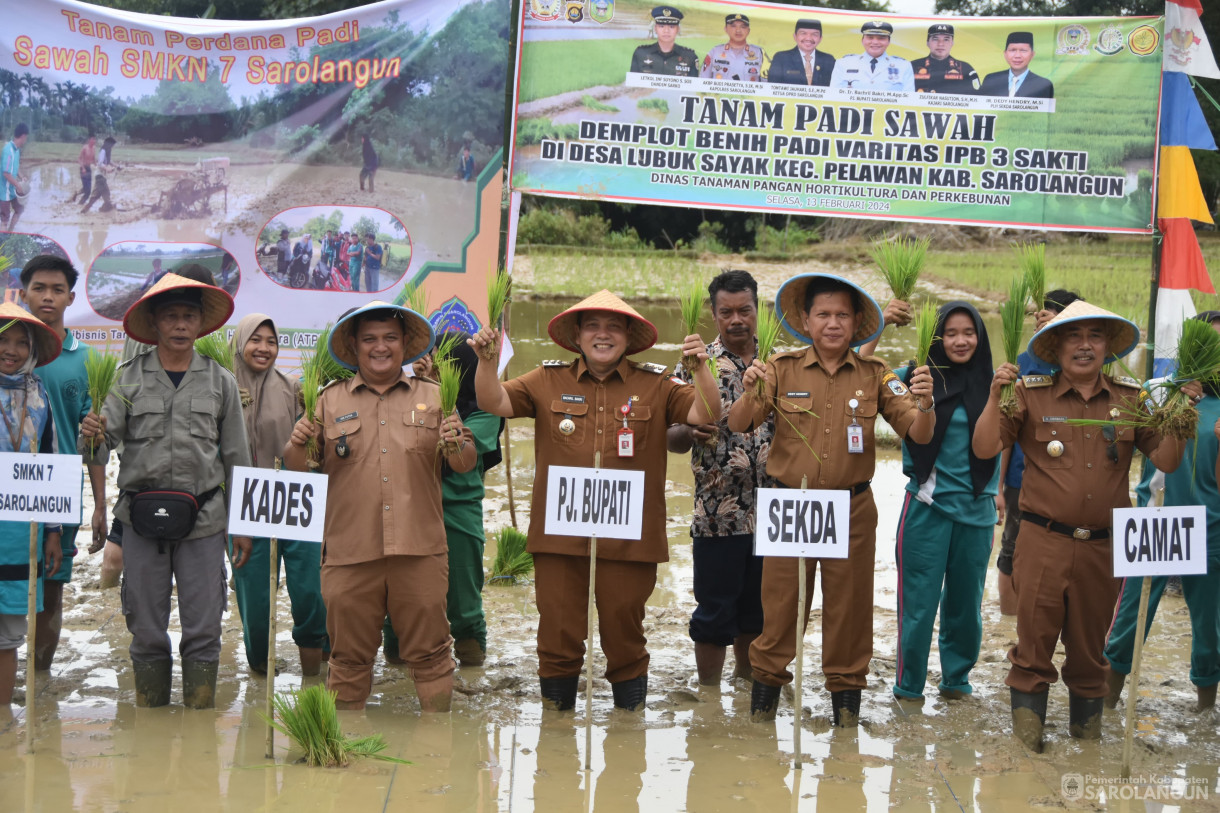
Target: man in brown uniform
(826, 399)
(385, 550)
(580, 408)
(1074, 477)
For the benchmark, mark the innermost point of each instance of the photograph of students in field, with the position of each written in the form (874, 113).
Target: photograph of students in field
(125, 271)
(335, 248)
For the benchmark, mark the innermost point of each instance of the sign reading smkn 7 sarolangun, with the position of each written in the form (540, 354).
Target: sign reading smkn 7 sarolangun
(1160, 541)
(813, 523)
(606, 503)
(1029, 122)
(281, 504)
(40, 488)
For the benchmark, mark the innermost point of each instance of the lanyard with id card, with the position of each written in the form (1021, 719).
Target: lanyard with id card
(855, 432)
(626, 437)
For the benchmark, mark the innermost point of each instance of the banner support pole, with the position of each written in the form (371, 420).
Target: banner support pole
(797, 704)
(31, 638)
(1134, 680)
(597, 464)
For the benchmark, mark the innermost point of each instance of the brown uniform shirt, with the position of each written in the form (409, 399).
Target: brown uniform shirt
(384, 497)
(1081, 486)
(812, 414)
(559, 390)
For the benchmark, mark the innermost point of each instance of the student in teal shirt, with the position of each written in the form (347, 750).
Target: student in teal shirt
(1192, 483)
(949, 514)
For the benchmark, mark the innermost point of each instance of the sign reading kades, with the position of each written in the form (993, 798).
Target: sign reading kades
(1160, 541)
(283, 504)
(607, 503)
(40, 488)
(795, 522)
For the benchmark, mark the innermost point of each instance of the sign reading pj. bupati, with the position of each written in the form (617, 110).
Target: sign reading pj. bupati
(1038, 122)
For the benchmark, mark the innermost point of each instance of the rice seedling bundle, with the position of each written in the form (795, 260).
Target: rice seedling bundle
(318, 368)
(416, 298)
(900, 260)
(450, 379)
(446, 341)
(768, 337)
(1012, 323)
(1197, 359)
(925, 332)
(310, 719)
(215, 347)
(101, 374)
(1032, 259)
(512, 561)
(692, 310)
(499, 291)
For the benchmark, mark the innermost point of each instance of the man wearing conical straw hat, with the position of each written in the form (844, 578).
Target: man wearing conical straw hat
(382, 438)
(1074, 476)
(178, 415)
(826, 399)
(579, 409)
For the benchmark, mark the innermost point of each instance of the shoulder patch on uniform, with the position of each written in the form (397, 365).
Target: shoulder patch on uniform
(1035, 381)
(678, 381)
(330, 384)
(891, 380)
(1126, 381)
(649, 367)
(556, 363)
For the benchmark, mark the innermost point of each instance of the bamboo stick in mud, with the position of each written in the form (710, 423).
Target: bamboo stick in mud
(273, 568)
(31, 635)
(597, 464)
(800, 652)
(1134, 685)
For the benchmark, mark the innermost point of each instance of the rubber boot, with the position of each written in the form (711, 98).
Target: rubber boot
(1008, 595)
(709, 663)
(1029, 718)
(199, 684)
(764, 700)
(311, 661)
(469, 652)
(630, 694)
(559, 694)
(1084, 717)
(1207, 697)
(845, 706)
(435, 696)
(152, 682)
(1114, 687)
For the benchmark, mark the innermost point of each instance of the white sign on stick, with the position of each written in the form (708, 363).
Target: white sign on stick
(606, 503)
(283, 504)
(40, 488)
(795, 522)
(1168, 540)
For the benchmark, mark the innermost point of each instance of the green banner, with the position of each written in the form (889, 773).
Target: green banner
(1025, 122)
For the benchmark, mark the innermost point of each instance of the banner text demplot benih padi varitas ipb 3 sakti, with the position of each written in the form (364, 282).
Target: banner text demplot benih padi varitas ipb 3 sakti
(1037, 122)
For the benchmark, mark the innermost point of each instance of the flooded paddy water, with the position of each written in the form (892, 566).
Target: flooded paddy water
(693, 749)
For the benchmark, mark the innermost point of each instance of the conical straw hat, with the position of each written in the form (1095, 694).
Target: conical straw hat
(641, 334)
(217, 307)
(790, 306)
(1123, 338)
(417, 338)
(47, 345)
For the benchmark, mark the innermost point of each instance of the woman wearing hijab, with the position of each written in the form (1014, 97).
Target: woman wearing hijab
(25, 343)
(949, 515)
(462, 499)
(270, 404)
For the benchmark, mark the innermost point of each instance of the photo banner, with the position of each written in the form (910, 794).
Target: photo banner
(157, 143)
(1024, 122)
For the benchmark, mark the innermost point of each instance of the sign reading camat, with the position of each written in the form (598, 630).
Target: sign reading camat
(795, 522)
(606, 503)
(282, 504)
(40, 488)
(1160, 541)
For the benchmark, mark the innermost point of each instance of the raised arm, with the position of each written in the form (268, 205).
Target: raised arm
(986, 442)
(488, 389)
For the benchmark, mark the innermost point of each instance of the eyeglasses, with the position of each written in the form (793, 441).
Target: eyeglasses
(1110, 434)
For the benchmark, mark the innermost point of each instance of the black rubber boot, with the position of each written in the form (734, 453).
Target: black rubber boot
(199, 684)
(1114, 687)
(1029, 718)
(845, 706)
(152, 682)
(764, 700)
(559, 694)
(630, 694)
(1084, 715)
(1207, 697)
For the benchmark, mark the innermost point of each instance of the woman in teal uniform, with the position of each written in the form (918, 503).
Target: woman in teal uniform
(949, 515)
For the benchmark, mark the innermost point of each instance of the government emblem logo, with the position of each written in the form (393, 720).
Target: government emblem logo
(602, 11)
(1110, 41)
(1180, 46)
(544, 10)
(1144, 40)
(1073, 39)
(575, 10)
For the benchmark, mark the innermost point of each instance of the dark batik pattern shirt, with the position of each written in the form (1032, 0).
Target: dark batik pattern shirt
(731, 465)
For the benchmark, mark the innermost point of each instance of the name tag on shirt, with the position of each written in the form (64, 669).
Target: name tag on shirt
(855, 439)
(572, 399)
(626, 443)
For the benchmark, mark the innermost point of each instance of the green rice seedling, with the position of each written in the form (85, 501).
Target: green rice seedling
(450, 378)
(692, 310)
(1012, 323)
(1197, 359)
(1032, 258)
(101, 373)
(900, 260)
(318, 368)
(769, 329)
(925, 331)
(217, 348)
(499, 293)
(446, 341)
(512, 561)
(416, 298)
(310, 719)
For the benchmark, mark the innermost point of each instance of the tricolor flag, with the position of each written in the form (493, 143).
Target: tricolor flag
(1186, 47)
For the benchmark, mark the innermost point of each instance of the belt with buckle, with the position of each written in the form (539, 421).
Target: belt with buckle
(1084, 534)
(856, 490)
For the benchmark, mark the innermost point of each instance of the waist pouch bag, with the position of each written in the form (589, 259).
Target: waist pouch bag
(165, 515)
